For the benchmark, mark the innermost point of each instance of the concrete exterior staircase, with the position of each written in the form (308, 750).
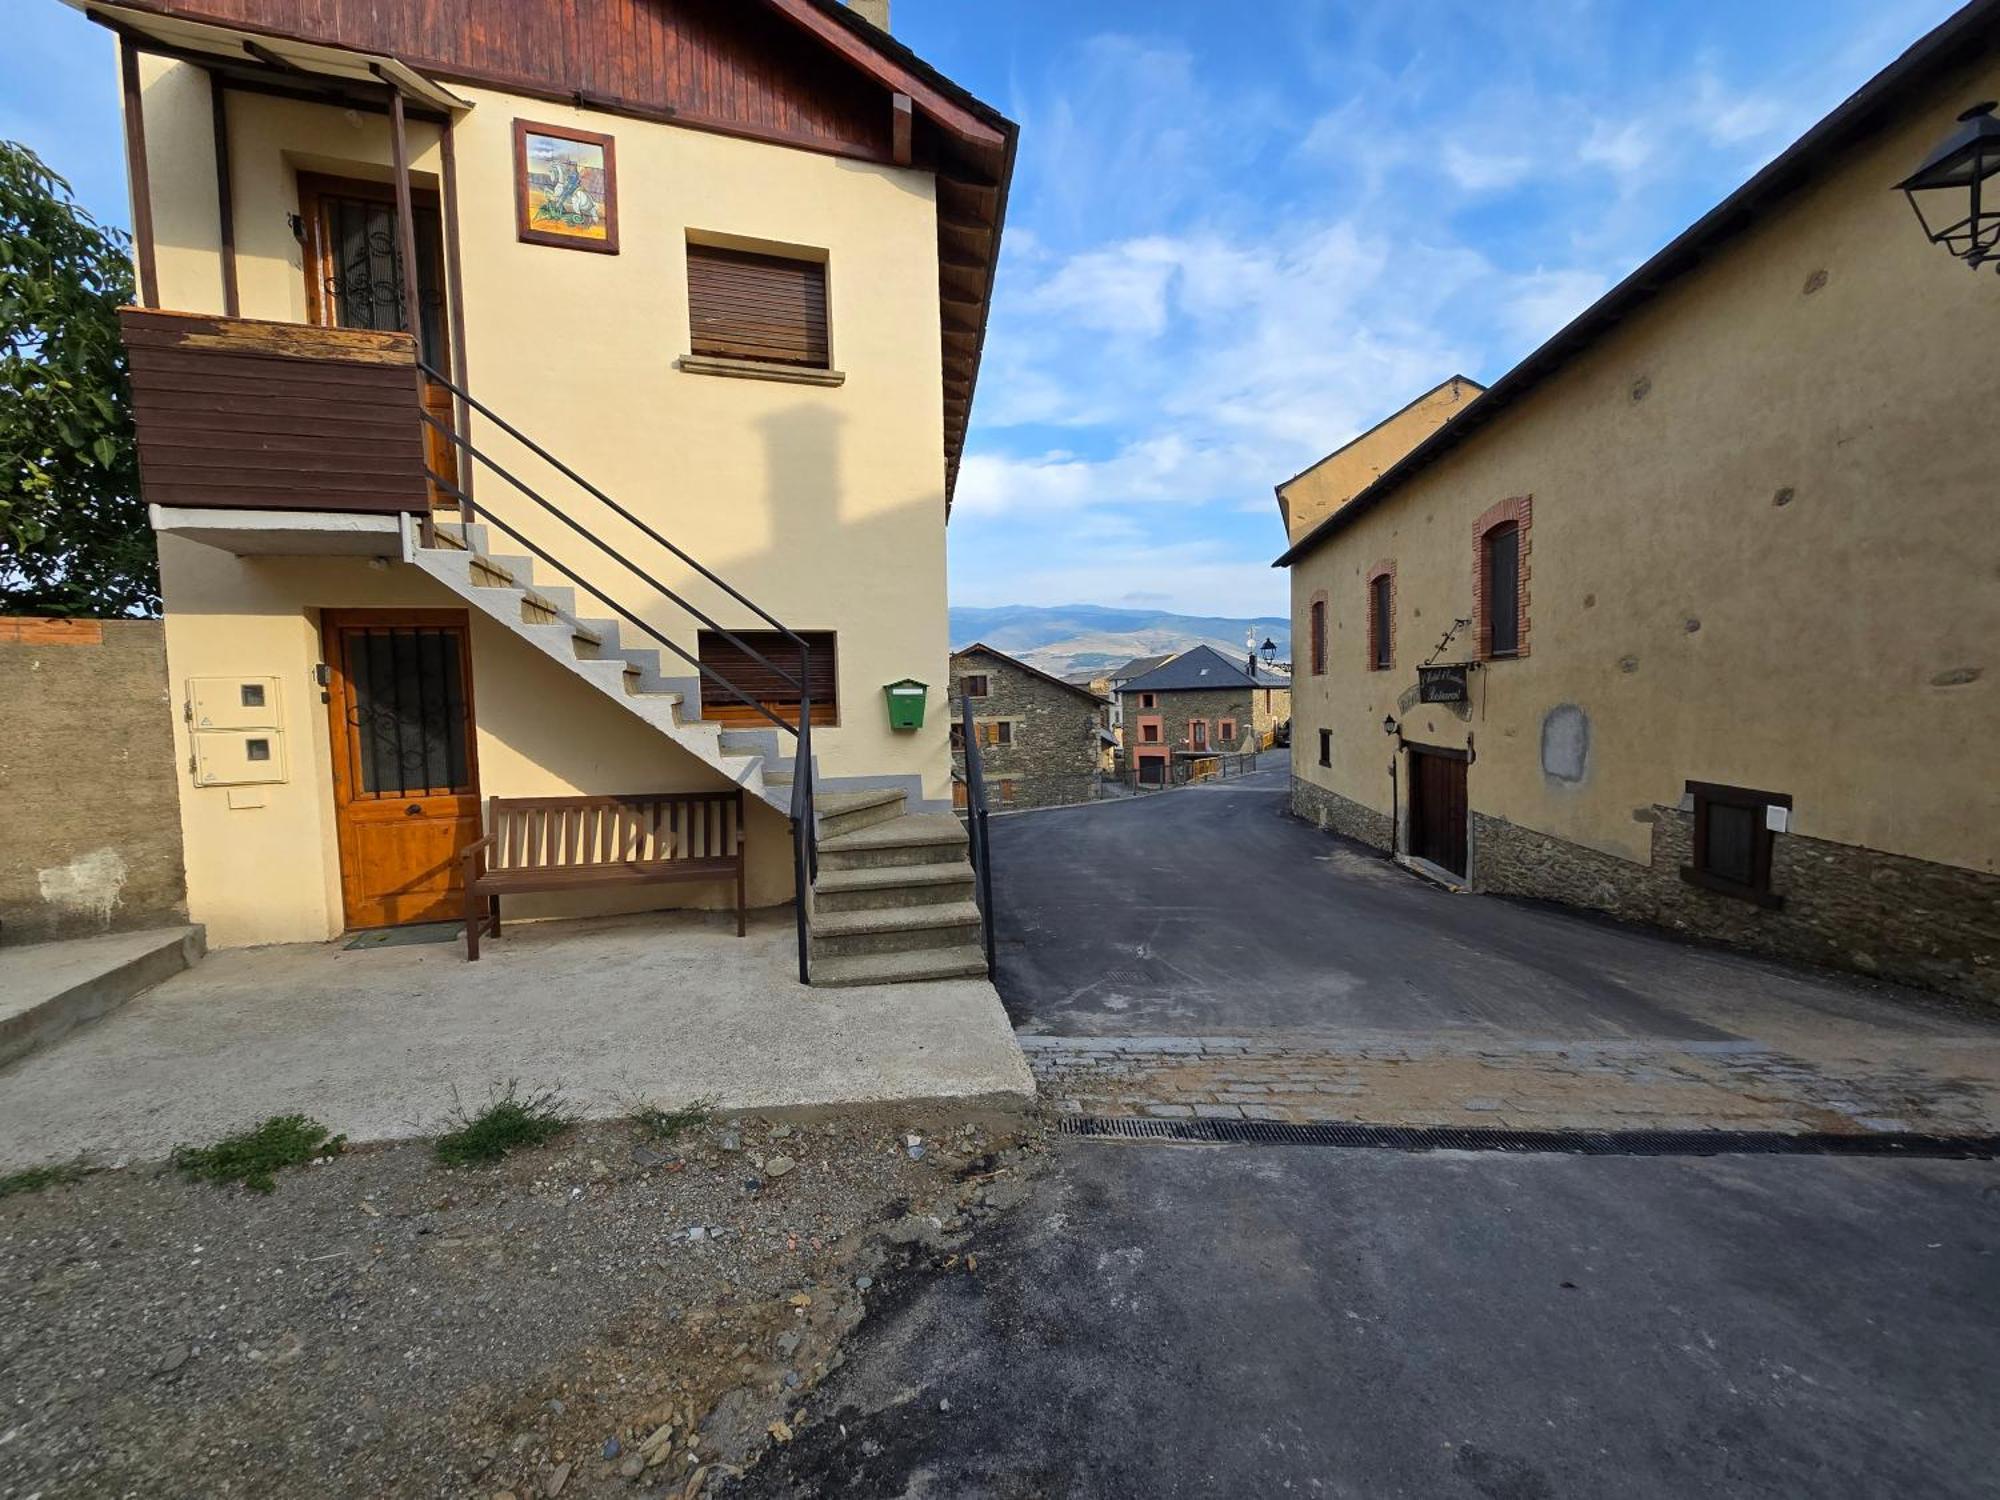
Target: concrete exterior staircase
(505, 589)
(894, 897)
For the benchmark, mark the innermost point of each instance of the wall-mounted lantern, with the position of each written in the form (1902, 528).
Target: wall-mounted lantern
(1949, 194)
(1269, 651)
(1389, 724)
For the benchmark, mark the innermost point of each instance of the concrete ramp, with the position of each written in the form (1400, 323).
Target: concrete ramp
(48, 990)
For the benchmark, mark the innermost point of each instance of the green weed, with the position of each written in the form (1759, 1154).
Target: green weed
(34, 1179)
(508, 1123)
(253, 1157)
(665, 1124)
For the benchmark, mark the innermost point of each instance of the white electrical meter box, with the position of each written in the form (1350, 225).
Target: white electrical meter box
(238, 757)
(234, 703)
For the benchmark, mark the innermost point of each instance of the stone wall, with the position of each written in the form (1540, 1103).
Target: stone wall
(1909, 920)
(1177, 710)
(90, 832)
(1053, 759)
(1333, 813)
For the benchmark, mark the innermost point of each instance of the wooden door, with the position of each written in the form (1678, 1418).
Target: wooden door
(1438, 808)
(354, 279)
(405, 765)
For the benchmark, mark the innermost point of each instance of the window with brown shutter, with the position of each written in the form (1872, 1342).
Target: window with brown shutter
(747, 305)
(719, 654)
(1318, 637)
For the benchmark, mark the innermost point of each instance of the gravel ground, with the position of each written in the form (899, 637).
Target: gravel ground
(602, 1316)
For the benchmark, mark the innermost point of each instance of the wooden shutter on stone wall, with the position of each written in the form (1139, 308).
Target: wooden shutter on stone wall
(743, 305)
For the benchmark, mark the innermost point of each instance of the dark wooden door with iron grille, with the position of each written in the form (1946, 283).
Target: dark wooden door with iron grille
(405, 763)
(1438, 808)
(354, 279)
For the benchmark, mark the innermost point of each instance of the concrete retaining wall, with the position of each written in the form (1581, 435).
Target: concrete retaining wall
(90, 833)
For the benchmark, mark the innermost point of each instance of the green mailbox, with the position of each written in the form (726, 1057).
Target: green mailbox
(906, 703)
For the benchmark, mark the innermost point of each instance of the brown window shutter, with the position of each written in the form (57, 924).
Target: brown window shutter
(743, 305)
(752, 677)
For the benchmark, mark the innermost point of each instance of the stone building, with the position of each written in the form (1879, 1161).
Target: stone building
(1691, 617)
(1039, 737)
(1199, 702)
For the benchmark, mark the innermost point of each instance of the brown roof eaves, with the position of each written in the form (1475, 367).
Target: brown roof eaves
(1949, 47)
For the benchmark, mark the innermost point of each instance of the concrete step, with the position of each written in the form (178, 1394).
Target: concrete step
(913, 839)
(850, 812)
(967, 962)
(48, 990)
(887, 886)
(945, 924)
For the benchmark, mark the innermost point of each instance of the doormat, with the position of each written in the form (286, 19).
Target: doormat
(1572, 1142)
(402, 937)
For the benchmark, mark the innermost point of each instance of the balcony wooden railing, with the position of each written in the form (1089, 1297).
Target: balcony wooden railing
(238, 413)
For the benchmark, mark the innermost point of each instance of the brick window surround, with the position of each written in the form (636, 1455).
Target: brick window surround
(1384, 569)
(1520, 511)
(1225, 733)
(1316, 633)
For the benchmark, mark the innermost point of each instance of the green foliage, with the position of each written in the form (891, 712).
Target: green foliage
(73, 533)
(254, 1156)
(509, 1122)
(665, 1124)
(34, 1179)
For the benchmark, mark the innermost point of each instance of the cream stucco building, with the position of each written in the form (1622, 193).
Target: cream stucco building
(1708, 586)
(701, 294)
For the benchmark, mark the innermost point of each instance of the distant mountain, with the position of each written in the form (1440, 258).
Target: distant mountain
(1087, 637)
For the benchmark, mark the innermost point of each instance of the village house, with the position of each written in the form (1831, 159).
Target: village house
(1039, 738)
(1114, 687)
(1199, 703)
(566, 406)
(1691, 617)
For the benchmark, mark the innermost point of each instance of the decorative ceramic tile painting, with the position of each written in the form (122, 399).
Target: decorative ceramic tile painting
(566, 187)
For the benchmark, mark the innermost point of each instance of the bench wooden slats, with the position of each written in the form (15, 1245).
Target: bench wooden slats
(576, 843)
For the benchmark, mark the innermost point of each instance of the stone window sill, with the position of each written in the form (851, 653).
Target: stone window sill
(757, 369)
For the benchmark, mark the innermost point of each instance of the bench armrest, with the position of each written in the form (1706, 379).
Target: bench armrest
(474, 865)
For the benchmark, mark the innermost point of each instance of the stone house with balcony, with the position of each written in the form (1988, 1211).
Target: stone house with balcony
(566, 406)
(1691, 617)
(1040, 739)
(1199, 703)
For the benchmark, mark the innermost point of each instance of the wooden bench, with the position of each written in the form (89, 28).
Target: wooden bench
(581, 843)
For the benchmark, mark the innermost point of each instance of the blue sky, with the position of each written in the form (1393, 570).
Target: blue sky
(1242, 233)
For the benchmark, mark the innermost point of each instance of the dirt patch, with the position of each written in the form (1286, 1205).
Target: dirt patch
(609, 1315)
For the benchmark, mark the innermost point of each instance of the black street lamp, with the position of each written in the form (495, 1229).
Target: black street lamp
(1269, 651)
(1947, 191)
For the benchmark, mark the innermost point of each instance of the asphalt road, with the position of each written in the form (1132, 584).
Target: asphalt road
(1211, 910)
(1165, 1321)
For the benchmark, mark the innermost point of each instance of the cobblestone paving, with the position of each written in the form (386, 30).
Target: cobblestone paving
(1951, 1088)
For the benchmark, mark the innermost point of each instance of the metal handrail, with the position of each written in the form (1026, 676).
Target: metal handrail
(576, 577)
(803, 808)
(980, 840)
(466, 508)
(567, 472)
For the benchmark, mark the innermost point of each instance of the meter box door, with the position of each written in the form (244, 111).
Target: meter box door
(906, 703)
(236, 724)
(238, 757)
(234, 703)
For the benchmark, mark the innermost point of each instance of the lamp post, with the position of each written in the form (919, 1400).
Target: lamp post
(1269, 651)
(1948, 192)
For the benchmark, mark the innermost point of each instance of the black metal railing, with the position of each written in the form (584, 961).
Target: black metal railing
(980, 844)
(803, 808)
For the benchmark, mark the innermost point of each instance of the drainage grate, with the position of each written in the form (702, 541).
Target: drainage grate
(1570, 1142)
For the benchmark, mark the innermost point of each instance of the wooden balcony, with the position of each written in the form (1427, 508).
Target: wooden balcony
(242, 414)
